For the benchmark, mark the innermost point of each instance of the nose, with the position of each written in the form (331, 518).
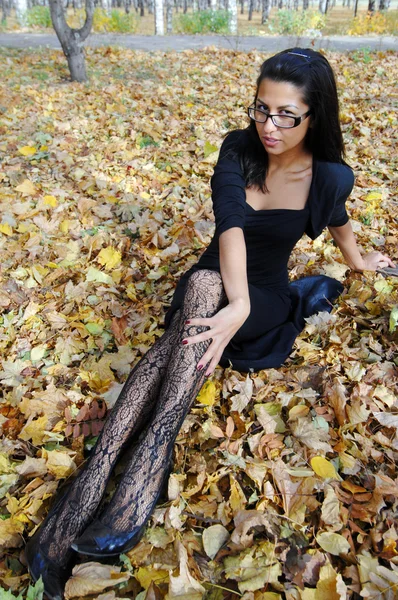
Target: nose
(268, 126)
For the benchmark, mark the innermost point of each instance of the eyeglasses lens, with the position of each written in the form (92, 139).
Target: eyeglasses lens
(279, 120)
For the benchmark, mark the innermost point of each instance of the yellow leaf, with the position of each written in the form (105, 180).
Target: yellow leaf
(213, 538)
(10, 533)
(27, 150)
(50, 201)
(333, 542)
(237, 499)
(5, 465)
(35, 430)
(109, 258)
(26, 188)
(64, 226)
(207, 394)
(112, 199)
(323, 467)
(92, 578)
(373, 196)
(60, 464)
(145, 576)
(145, 195)
(6, 229)
(38, 352)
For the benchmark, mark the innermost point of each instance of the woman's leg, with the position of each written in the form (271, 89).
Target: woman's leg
(68, 518)
(121, 525)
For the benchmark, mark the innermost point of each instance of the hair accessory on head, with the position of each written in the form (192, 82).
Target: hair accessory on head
(308, 58)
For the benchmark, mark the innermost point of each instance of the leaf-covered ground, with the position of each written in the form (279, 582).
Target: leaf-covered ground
(285, 483)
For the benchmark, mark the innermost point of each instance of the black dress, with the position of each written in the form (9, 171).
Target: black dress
(278, 308)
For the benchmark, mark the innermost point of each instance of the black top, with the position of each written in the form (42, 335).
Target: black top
(330, 187)
(270, 236)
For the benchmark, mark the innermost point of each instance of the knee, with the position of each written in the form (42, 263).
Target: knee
(205, 278)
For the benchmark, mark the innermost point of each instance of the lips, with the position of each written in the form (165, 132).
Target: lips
(270, 141)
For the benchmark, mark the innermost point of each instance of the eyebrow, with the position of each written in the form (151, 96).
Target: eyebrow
(279, 107)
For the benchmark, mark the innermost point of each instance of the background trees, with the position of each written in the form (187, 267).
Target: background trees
(74, 19)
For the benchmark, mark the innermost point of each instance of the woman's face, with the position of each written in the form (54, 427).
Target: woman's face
(285, 99)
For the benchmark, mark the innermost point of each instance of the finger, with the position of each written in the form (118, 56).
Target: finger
(207, 357)
(214, 362)
(196, 339)
(200, 322)
(390, 262)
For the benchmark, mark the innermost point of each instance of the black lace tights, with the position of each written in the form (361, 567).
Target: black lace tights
(154, 400)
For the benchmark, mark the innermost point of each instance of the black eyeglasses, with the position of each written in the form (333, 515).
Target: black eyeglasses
(284, 121)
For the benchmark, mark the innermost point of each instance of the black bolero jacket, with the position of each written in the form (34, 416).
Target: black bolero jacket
(330, 187)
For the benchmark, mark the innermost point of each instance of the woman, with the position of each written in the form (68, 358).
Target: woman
(282, 176)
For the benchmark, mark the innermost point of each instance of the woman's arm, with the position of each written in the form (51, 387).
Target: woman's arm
(226, 322)
(232, 247)
(345, 239)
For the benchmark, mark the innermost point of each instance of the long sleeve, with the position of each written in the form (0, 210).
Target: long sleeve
(228, 186)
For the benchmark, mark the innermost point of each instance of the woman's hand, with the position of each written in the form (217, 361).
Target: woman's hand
(376, 260)
(223, 327)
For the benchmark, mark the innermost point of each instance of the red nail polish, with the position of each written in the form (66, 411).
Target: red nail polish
(199, 367)
(185, 342)
(187, 322)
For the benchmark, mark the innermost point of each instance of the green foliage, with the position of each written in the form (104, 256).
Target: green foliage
(34, 592)
(204, 21)
(116, 21)
(286, 22)
(378, 22)
(145, 141)
(39, 16)
(363, 56)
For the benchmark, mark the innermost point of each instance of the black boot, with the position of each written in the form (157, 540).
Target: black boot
(54, 576)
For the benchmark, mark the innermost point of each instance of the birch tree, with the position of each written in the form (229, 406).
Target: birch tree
(169, 15)
(71, 39)
(233, 10)
(159, 24)
(21, 7)
(265, 11)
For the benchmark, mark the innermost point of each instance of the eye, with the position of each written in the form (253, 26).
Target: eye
(262, 107)
(286, 112)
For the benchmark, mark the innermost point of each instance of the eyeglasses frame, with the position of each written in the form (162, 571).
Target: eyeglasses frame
(297, 120)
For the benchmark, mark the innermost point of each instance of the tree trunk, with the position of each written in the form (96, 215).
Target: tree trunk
(295, 4)
(251, 7)
(169, 15)
(265, 11)
(4, 11)
(185, 7)
(159, 24)
(21, 7)
(72, 40)
(233, 14)
(382, 5)
(322, 6)
(372, 6)
(305, 4)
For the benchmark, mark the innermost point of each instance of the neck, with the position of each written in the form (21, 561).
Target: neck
(284, 162)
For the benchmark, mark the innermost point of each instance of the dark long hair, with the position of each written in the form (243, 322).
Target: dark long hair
(310, 71)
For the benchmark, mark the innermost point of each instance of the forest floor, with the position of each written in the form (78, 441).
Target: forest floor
(284, 483)
(264, 43)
